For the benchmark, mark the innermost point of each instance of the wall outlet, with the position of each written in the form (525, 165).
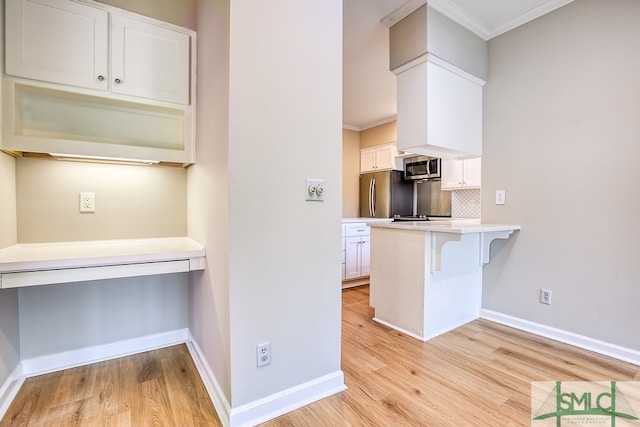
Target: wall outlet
(545, 296)
(87, 202)
(263, 354)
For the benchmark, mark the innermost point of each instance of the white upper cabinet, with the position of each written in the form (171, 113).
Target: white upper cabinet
(378, 158)
(461, 174)
(149, 61)
(66, 42)
(57, 41)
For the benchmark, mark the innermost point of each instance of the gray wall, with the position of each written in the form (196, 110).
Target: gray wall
(57, 318)
(562, 128)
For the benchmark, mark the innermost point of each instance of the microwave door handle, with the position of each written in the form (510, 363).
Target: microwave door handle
(373, 197)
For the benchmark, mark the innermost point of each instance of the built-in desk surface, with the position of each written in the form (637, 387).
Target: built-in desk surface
(30, 264)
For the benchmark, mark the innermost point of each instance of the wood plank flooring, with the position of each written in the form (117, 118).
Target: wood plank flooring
(477, 375)
(157, 388)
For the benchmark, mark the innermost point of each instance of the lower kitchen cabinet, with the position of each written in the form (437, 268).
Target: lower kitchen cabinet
(357, 257)
(356, 250)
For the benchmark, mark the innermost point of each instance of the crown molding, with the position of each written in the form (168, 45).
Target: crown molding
(347, 126)
(401, 12)
(530, 15)
(379, 122)
(451, 10)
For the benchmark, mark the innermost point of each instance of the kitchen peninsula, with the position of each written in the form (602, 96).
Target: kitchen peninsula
(426, 277)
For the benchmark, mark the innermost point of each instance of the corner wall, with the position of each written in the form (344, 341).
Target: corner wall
(350, 173)
(561, 137)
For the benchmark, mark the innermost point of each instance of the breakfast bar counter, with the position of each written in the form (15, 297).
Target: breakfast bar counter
(426, 277)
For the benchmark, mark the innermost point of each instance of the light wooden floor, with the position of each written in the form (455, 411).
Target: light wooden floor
(156, 388)
(478, 375)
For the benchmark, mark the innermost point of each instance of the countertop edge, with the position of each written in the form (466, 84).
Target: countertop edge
(63, 255)
(454, 227)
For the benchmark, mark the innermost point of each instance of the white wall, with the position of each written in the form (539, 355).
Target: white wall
(269, 90)
(208, 192)
(561, 136)
(9, 333)
(285, 103)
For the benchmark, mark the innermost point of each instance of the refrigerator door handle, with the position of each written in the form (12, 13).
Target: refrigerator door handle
(373, 197)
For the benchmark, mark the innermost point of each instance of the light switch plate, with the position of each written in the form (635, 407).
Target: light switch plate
(501, 196)
(314, 190)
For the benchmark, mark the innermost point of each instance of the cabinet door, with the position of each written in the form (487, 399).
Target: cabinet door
(367, 160)
(451, 174)
(385, 157)
(57, 41)
(472, 173)
(365, 255)
(352, 258)
(149, 61)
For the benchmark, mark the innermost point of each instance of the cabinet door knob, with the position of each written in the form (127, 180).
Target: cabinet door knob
(100, 78)
(118, 81)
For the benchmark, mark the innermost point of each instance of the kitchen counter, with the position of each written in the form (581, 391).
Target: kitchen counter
(367, 220)
(457, 226)
(30, 264)
(426, 277)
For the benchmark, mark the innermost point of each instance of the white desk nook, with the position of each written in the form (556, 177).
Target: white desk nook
(426, 277)
(31, 264)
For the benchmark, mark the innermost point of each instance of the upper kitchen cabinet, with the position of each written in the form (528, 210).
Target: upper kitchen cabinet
(87, 79)
(58, 41)
(378, 158)
(71, 47)
(440, 68)
(461, 174)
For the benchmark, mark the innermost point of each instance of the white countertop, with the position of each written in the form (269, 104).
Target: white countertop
(376, 220)
(460, 226)
(28, 264)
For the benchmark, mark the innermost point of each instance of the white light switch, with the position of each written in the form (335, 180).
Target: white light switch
(501, 196)
(87, 202)
(314, 190)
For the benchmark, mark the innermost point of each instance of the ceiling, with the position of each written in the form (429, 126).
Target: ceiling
(369, 88)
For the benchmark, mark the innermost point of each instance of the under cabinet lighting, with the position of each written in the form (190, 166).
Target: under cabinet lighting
(100, 159)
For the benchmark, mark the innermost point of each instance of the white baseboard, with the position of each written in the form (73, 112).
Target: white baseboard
(220, 402)
(581, 341)
(269, 407)
(10, 388)
(98, 353)
(280, 403)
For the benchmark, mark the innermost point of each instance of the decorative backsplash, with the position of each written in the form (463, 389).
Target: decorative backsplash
(465, 203)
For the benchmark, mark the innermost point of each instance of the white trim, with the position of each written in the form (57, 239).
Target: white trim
(98, 353)
(530, 15)
(379, 122)
(10, 388)
(396, 328)
(402, 12)
(429, 57)
(218, 398)
(347, 126)
(581, 341)
(280, 403)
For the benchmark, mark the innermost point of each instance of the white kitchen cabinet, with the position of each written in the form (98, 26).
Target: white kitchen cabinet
(57, 41)
(461, 174)
(439, 110)
(67, 42)
(97, 81)
(357, 245)
(378, 158)
(149, 61)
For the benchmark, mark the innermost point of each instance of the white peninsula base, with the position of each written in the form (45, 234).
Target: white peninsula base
(426, 279)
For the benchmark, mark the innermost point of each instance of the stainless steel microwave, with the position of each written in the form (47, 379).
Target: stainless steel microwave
(421, 167)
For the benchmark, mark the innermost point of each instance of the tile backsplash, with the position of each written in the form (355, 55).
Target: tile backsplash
(465, 203)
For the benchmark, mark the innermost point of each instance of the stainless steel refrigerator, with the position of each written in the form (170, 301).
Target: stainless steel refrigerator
(385, 194)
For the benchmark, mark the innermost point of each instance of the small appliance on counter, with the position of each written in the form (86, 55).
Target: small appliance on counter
(385, 194)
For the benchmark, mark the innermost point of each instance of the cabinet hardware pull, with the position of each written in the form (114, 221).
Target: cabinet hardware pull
(118, 81)
(100, 78)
